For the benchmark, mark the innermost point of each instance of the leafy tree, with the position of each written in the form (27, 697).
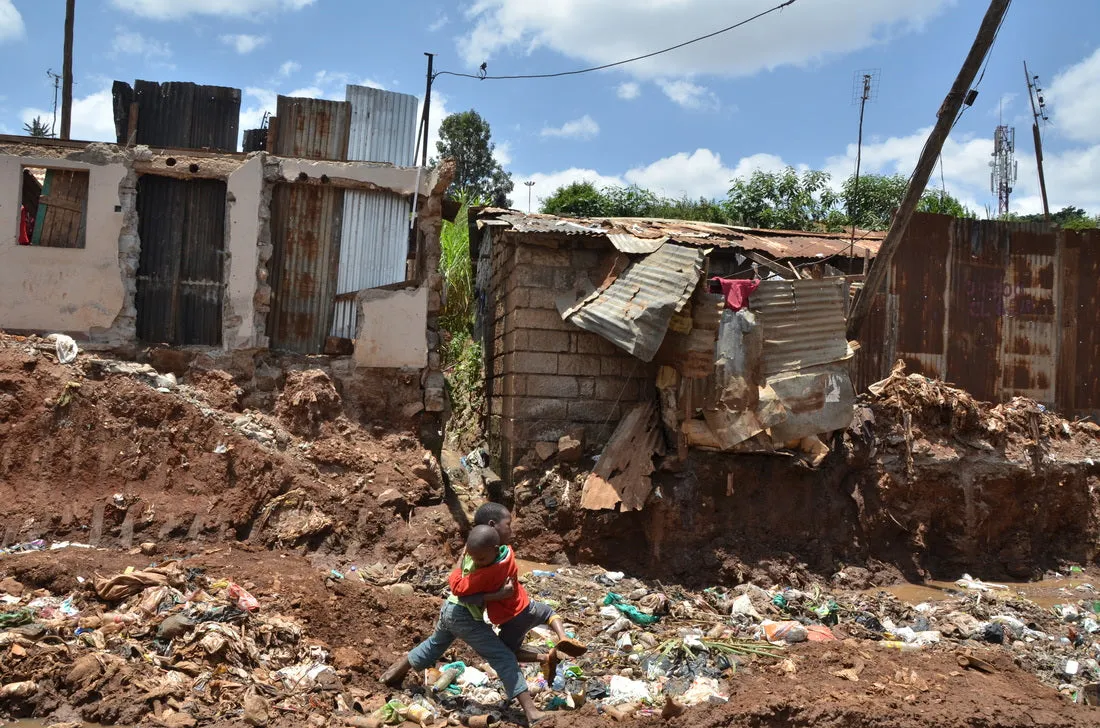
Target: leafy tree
(943, 203)
(873, 201)
(37, 128)
(632, 201)
(784, 200)
(579, 199)
(466, 138)
(1070, 218)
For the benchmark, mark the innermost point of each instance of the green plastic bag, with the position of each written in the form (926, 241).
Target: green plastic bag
(17, 618)
(629, 610)
(392, 713)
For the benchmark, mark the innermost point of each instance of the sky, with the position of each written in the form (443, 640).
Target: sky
(778, 91)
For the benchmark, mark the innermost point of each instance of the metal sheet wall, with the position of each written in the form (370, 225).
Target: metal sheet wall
(375, 237)
(305, 226)
(180, 281)
(1000, 309)
(181, 115)
(803, 323)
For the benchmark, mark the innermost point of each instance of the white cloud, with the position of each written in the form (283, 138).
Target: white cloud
(93, 117)
(436, 115)
(1073, 99)
(607, 31)
(582, 128)
(243, 43)
(628, 90)
(309, 92)
(11, 22)
(252, 114)
(689, 95)
(176, 9)
(699, 174)
(502, 153)
(371, 83)
(438, 24)
(289, 68)
(135, 44)
(546, 184)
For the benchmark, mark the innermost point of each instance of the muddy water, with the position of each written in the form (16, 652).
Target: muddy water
(1045, 593)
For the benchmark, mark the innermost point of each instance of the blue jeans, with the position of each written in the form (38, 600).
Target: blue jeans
(456, 622)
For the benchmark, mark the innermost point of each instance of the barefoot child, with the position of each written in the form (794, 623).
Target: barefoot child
(516, 614)
(457, 621)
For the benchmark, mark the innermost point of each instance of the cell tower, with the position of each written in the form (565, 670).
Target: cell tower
(1003, 174)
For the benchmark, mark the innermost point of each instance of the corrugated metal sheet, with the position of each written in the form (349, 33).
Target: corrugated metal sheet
(375, 237)
(305, 226)
(180, 281)
(803, 323)
(626, 243)
(634, 311)
(383, 126)
(180, 115)
(920, 274)
(254, 140)
(312, 128)
(1081, 308)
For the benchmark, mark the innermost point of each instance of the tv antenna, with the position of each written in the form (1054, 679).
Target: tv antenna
(865, 85)
(1038, 112)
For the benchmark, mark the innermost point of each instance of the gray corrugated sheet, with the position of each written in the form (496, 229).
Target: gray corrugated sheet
(374, 242)
(180, 115)
(803, 323)
(312, 128)
(180, 281)
(634, 311)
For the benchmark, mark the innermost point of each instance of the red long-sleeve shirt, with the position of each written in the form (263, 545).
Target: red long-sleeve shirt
(490, 579)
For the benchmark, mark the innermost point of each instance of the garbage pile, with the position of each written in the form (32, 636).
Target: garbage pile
(180, 646)
(654, 651)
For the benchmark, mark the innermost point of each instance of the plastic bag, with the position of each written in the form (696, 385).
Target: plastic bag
(630, 610)
(245, 601)
(780, 632)
(625, 690)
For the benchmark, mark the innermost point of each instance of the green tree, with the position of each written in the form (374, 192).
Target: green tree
(37, 128)
(466, 138)
(871, 203)
(578, 199)
(943, 203)
(631, 201)
(784, 200)
(1070, 218)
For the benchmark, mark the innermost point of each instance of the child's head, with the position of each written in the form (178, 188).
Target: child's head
(483, 545)
(497, 516)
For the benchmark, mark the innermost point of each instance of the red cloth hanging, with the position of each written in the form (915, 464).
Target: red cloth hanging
(26, 226)
(737, 291)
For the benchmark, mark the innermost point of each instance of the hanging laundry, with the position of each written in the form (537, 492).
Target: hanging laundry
(737, 291)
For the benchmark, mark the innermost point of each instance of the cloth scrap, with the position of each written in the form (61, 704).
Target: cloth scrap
(737, 291)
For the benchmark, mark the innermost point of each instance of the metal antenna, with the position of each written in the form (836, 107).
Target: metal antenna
(1002, 175)
(56, 87)
(865, 86)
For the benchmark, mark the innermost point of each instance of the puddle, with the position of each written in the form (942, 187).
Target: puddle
(1045, 593)
(526, 567)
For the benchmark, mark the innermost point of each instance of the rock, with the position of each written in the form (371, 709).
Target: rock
(545, 450)
(256, 711)
(174, 626)
(148, 548)
(429, 471)
(166, 381)
(11, 586)
(348, 658)
(392, 498)
(743, 605)
(570, 449)
(403, 590)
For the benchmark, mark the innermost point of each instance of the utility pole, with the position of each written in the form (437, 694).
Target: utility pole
(67, 72)
(1038, 111)
(427, 109)
(530, 183)
(864, 80)
(56, 88)
(946, 116)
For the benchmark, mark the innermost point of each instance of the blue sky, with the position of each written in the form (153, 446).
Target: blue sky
(776, 92)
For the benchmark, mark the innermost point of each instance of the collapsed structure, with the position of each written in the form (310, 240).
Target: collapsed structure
(322, 239)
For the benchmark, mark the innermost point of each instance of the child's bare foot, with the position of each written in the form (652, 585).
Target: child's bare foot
(394, 676)
(530, 712)
(571, 647)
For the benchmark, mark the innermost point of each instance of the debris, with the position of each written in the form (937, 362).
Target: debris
(784, 632)
(545, 450)
(65, 348)
(622, 474)
(570, 449)
(965, 659)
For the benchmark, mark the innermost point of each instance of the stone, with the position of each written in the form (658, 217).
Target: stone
(148, 548)
(392, 498)
(435, 399)
(348, 658)
(166, 381)
(11, 586)
(545, 450)
(429, 471)
(570, 449)
(401, 590)
(174, 626)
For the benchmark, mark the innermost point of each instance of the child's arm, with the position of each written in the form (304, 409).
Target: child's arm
(487, 580)
(479, 599)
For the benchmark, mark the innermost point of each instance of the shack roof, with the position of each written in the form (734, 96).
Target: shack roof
(642, 235)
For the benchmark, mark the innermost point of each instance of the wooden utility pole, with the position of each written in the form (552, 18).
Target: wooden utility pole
(1037, 113)
(67, 72)
(948, 112)
(424, 122)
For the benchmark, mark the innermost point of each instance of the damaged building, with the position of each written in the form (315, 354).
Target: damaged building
(731, 338)
(323, 238)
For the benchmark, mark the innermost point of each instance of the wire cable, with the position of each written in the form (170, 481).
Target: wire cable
(481, 77)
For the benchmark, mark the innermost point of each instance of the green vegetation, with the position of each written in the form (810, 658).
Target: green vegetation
(467, 139)
(37, 128)
(1070, 218)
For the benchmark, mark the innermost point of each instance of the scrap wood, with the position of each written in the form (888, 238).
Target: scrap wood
(965, 659)
(622, 473)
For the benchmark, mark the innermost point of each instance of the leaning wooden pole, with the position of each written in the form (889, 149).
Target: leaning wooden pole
(948, 112)
(67, 72)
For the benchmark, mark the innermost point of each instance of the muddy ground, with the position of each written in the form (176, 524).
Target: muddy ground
(929, 485)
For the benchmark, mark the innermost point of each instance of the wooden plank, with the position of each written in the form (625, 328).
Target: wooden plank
(622, 474)
(770, 264)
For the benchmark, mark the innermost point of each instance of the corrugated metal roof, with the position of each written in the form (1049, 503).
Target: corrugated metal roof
(383, 126)
(803, 323)
(633, 234)
(634, 311)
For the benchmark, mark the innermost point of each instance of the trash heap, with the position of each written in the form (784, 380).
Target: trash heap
(656, 652)
(178, 646)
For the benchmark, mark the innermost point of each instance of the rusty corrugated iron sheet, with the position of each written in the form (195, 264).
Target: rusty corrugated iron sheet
(638, 235)
(312, 128)
(179, 115)
(634, 311)
(180, 280)
(803, 323)
(1080, 361)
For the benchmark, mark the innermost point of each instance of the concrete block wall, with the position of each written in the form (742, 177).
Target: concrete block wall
(551, 378)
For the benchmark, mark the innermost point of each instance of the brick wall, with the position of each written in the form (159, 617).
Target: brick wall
(548, 376)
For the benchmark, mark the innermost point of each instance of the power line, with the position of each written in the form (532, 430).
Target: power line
(974, 89)
(483, 77)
